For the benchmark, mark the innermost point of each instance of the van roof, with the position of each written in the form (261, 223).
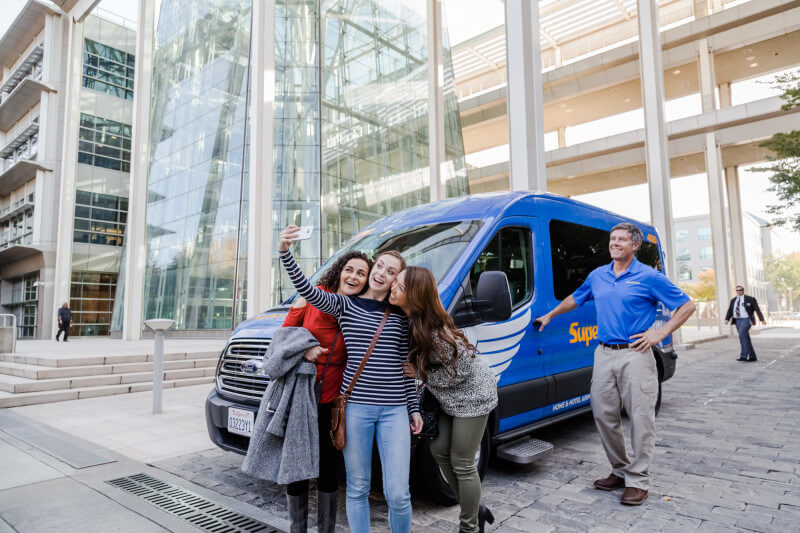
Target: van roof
(487, 206)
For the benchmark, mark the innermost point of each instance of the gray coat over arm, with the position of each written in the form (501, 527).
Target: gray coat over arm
(284, 446)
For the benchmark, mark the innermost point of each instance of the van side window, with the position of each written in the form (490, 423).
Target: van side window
(576, 251)
(509, 251)
(648, 254)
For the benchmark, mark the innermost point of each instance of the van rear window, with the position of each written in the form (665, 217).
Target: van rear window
(576, 250)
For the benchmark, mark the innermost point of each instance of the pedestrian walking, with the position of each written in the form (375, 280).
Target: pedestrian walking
(347, 276)
(443, 359)
(382, 405)
(64, 319)
(626, 293)
(741, 312)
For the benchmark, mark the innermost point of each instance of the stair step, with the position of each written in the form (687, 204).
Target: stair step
(524, 451)
(61, 362)
(30, 398)
(30, 371)
(18, 385)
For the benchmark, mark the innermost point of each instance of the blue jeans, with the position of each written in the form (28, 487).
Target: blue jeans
(743, 326)
(390, 426)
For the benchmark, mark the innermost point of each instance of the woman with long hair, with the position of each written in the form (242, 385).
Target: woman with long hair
(346, 276)
(443, 359)
(383, 405)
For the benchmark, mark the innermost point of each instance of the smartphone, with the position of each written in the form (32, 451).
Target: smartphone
(304, 233)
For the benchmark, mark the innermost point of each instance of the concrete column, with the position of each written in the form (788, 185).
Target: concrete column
(737, 228)
(562, 137)
(68, 170)
(525, 101)
(136, 229)
(724, 95)
(436, 101)
(706, 75)
(259, 237)
(652, 77)
(719, 241)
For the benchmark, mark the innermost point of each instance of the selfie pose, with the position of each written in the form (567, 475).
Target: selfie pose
(381, 403)
(443, 359)
(348, 277)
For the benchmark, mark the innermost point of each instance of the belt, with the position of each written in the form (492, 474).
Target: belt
(616, 346)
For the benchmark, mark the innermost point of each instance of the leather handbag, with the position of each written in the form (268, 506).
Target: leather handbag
(429, 409)
(318, 385)
(338, 429)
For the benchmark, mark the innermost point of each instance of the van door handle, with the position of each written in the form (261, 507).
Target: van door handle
(540, 351)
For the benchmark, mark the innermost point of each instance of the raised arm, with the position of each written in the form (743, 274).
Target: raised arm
(324, 301)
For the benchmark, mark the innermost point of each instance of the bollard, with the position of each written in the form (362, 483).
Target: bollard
(159, 326)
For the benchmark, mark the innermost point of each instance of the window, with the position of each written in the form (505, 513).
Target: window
(509, 251)
(706, 252)
(648, 254)
(703, 234)
(682, 235)
(104, 143)
(107, 70)
(576, 250)
(684, 272)
(91, 301)
(684, 254)
(99, 218)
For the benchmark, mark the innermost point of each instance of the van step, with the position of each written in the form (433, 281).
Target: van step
(524, 451)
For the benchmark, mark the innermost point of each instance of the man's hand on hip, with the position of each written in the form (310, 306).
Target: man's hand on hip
(645, 341)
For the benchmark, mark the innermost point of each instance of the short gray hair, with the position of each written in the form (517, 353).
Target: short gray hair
(632, 229)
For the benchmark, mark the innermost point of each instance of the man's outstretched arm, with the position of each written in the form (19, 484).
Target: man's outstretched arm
(566, 305)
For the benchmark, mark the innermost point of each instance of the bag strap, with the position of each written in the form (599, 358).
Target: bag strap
(330, 354)
(349, 390)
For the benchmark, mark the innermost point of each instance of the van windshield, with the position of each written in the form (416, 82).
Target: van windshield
(434, 246)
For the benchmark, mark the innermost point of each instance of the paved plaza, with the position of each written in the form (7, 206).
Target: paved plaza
(727, 459)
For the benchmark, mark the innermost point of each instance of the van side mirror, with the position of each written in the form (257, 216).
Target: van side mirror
(492, 298)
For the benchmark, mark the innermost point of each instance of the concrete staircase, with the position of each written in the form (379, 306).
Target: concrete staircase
(32, 379)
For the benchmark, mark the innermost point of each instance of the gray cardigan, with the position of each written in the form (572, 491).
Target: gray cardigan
(284, 446)
(471, 390)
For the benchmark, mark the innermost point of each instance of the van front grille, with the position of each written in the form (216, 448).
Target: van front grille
(230, 377)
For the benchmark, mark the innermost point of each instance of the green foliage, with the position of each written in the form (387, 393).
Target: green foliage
(783, 272)
(785, 168)
(704, 289)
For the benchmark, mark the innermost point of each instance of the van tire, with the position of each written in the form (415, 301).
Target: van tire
(427, 481)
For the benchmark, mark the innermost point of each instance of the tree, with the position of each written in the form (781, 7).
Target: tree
(704, 289)
(783, 272)
(785, 168)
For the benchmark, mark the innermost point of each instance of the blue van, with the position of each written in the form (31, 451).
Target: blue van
(544, 246)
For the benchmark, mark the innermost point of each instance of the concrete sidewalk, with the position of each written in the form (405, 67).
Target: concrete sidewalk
(82, 347)
(52, 482)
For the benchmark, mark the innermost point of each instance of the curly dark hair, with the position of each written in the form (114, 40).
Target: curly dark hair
(330, 279)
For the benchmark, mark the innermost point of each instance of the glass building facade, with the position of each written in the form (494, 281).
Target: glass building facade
(350, 139)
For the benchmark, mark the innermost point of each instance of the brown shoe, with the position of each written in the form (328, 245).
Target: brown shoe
(611, 482)
(633, 496)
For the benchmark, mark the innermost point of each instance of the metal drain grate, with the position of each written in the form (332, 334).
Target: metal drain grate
(197, 510)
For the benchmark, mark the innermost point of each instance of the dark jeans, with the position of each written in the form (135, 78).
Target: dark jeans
(328, 480)
(743, 325)
(63, 328)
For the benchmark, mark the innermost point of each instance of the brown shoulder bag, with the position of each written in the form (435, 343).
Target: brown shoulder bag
(338, 429)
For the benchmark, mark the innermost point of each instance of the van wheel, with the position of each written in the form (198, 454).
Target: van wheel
(427, 480)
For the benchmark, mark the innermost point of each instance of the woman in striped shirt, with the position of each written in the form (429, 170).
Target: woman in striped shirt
(384, 402)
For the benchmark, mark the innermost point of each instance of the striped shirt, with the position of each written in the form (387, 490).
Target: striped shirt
(382, 381)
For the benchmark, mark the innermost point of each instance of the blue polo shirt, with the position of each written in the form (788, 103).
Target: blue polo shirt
(626, 304)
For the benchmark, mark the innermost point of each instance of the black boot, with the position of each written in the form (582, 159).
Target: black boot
(326, 511)
(298, 513)
(484, 515)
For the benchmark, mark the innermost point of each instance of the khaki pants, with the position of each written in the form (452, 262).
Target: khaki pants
(626, 378)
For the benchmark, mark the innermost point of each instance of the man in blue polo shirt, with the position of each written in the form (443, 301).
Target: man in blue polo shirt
(626, 294)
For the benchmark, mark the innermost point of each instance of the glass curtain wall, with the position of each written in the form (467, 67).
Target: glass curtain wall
(197, 161)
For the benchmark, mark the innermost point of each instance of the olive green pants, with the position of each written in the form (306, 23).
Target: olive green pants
(456, 450)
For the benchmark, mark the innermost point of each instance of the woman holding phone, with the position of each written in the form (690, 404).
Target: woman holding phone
(383, 404)
(346, 276)
(443, 359)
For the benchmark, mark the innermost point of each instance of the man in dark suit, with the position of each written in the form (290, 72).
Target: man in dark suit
(64, 318)
(742, 312)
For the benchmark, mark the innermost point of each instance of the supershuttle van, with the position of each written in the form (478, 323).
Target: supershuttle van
(535, 250)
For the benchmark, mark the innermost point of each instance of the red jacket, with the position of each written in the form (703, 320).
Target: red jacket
(325, 328)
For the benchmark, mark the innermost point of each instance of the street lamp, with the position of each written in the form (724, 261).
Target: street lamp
(159, 326)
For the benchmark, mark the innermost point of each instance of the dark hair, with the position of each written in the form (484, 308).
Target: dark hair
(393, 253)
(331, 278)
(426, 315)
(633, 230)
